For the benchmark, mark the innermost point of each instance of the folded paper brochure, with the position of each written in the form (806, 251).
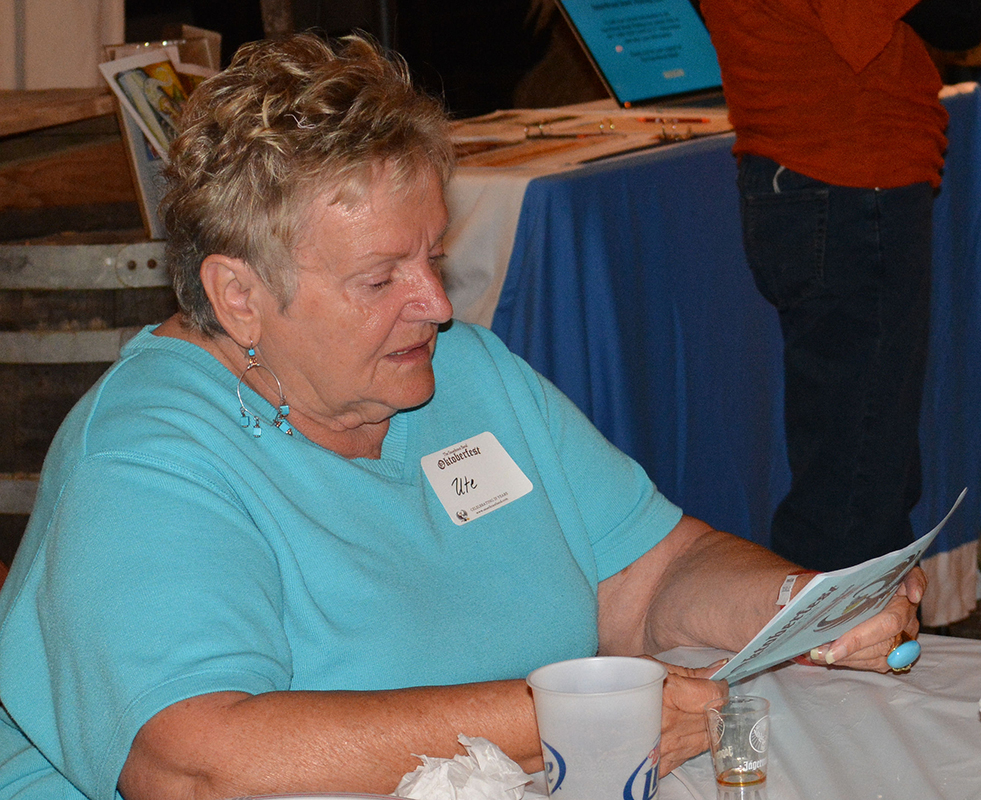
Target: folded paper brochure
(831, 604)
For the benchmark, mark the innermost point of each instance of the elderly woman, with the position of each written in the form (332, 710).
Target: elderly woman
(288, 540)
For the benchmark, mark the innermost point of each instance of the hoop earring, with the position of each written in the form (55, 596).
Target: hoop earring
(252, 420)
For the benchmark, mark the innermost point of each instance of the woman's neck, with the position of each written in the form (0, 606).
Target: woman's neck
(362, 441)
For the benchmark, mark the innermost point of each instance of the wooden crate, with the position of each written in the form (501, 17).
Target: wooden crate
(78, 275)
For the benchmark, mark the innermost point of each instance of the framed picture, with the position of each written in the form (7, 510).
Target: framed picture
(151, 84)
(149, 87)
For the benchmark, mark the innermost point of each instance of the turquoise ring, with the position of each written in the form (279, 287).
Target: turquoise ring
(902, 656)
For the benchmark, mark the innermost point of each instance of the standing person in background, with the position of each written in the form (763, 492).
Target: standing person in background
(840, 141)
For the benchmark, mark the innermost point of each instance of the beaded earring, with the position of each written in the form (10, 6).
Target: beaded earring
(252, 420)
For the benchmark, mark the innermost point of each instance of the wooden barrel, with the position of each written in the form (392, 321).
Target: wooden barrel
(65, 311)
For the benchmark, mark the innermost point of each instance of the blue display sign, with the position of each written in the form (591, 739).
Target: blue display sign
(646, 50)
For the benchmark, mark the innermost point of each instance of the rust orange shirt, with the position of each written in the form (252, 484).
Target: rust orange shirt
(839, 90)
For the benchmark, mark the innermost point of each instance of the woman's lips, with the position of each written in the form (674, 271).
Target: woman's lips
(413, 351)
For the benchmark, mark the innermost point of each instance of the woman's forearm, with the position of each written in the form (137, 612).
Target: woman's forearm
(698, 587)
(232, 744)
(719, 592)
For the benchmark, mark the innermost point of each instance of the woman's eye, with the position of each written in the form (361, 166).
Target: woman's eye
(437, 261)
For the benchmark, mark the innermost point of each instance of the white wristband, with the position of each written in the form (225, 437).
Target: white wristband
(786, 590)
(788, 586)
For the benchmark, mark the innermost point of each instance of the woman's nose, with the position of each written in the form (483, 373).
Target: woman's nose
(429, 300)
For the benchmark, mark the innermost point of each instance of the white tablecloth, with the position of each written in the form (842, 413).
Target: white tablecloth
(843, 735)
(484, 206)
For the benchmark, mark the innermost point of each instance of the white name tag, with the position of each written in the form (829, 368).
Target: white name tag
(474, 477)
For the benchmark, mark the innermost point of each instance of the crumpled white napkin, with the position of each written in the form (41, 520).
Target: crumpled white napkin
(485, 773)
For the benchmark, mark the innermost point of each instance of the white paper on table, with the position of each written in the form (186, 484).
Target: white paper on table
(831, 604)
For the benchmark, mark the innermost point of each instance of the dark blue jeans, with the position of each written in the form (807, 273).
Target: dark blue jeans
(848, 271)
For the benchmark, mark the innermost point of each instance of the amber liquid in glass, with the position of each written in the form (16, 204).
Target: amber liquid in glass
(749, 777)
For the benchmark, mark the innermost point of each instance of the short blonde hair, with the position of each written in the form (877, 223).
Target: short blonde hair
(285, 122)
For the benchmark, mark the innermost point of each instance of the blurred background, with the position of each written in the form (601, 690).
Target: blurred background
(477, 56)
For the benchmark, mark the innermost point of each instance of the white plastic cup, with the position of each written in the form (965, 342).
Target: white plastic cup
(599, 720)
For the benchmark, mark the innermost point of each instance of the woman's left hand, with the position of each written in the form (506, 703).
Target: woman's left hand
(867, 645)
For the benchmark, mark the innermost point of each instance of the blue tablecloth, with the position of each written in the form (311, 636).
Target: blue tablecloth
(628, 287)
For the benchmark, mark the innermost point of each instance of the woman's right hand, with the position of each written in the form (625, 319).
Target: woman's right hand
(684, 734)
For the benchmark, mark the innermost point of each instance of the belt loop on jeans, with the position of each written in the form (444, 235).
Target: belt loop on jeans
(776, 179)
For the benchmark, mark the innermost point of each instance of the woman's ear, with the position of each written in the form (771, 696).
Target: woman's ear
(233, 288)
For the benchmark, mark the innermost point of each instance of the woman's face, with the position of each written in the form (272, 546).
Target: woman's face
(355, 345)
